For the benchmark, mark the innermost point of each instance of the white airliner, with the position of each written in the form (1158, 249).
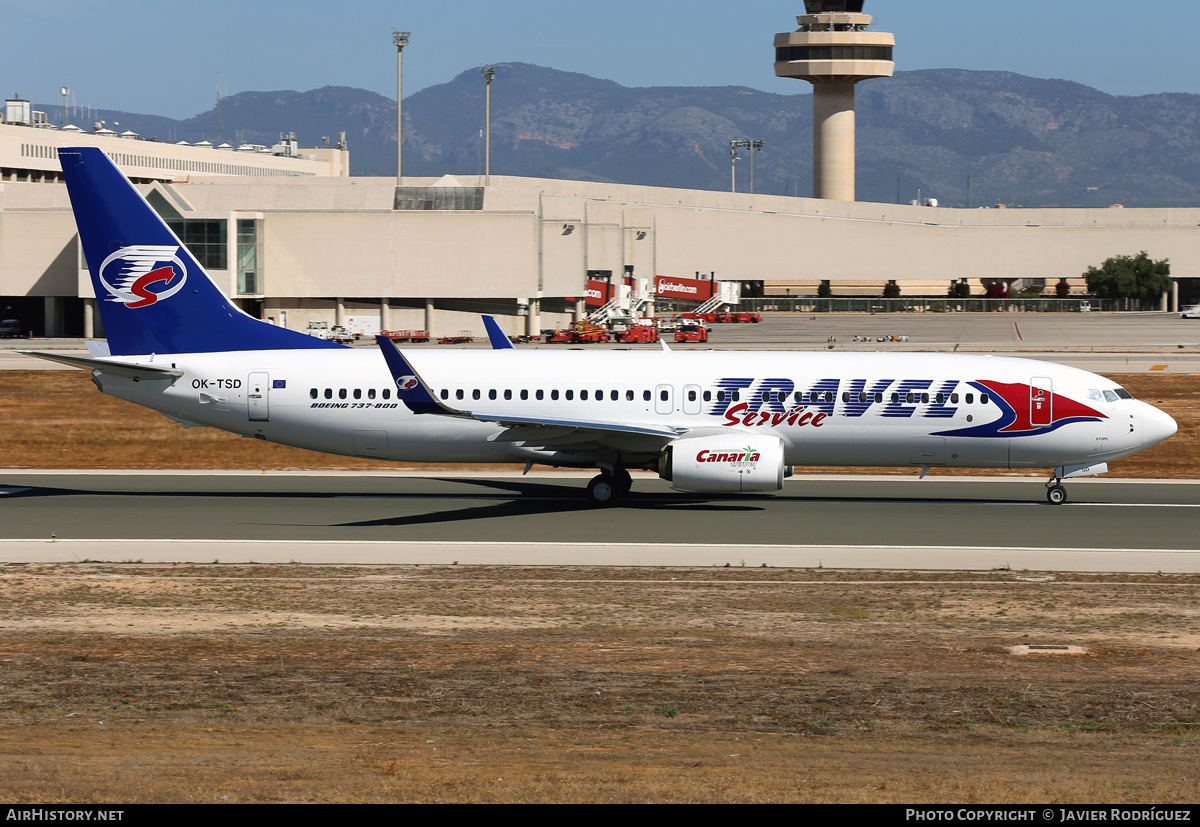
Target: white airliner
(709, 422)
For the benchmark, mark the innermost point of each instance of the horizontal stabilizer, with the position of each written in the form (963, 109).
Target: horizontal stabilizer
(114, 368)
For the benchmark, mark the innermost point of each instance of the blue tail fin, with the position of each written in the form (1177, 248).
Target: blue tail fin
(154, 297)
(496, 335)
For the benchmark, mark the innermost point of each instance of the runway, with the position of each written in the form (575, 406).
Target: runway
(442, 519)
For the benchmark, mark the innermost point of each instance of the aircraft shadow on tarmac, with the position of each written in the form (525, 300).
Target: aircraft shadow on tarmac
(515, 498)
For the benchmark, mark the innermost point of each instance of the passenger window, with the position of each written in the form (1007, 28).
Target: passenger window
(554, 395)
(663, 396)
(583, 396)
(614, 396)
(983, 399)
(329, 393)
(720, 396)
(508, 394)
(766, 396)
(475, 394)
(629, 397)
(941, 399)
(970, 399)
(895, 398)
(878, 398)
(737, 396)
(845, 396)
(524, 395)
(924, 399)
(691, 396)
(492, 394)
(445, 393)
(458, 394)
(954, 399)
(370, 393)
(708, 396)
(342, 393)
(387, 394)
(647, 396)
(540, 394)
(312, 394)
(358, 393)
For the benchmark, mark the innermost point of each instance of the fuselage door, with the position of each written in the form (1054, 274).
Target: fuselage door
(691, 400)
(258, 397)
(664, 401)
(1041, 402)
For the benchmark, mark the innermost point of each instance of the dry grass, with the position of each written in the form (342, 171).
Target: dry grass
(58, 420)
(249, 684)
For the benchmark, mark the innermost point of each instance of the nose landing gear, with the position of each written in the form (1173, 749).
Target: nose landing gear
(1055, 493)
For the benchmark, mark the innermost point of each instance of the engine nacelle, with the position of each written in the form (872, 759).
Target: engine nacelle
(735, 463)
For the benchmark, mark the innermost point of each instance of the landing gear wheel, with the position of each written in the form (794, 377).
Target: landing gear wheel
(1056, 495)
(603, 490)
(623, 482)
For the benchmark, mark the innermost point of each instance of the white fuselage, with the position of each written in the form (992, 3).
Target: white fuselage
(830, 409)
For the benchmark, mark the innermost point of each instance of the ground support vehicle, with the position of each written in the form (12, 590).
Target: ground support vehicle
(407, 335)
(464, 337)
(10, 329)
(691, 331)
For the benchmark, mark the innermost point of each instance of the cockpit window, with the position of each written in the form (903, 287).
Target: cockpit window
(1110, 396)
(1124, 394)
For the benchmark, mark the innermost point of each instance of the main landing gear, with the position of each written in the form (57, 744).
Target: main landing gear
(609, 487)
(1055, 493)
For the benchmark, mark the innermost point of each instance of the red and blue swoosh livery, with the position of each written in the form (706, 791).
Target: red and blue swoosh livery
(1018, 403)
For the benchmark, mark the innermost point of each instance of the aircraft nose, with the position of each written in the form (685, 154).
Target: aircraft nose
(1157, 426)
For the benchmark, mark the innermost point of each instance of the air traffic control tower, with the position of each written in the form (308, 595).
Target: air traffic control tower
(833, 51)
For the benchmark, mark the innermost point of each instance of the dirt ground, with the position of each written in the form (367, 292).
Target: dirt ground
(135, 683)
(451, 684)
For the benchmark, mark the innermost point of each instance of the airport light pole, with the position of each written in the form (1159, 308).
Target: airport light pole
(733, 159)
(489, 74)
(753, 146)
(401, 40)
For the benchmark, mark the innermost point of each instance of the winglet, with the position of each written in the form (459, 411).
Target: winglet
(411, 389)
(498, 339)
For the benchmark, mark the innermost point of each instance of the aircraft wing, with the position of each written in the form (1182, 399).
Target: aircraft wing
(564, 434)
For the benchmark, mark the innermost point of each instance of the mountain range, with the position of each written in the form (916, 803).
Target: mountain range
(967, 138)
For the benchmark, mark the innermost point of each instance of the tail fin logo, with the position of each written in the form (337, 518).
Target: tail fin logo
(131, 272)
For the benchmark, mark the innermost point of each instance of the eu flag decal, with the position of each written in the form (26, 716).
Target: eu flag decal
(279, 384)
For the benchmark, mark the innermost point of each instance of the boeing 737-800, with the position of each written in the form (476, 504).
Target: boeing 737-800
(708, 422)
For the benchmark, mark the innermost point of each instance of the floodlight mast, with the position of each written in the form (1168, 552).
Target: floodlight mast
(489, 74)
(833, 50)
(400, 39)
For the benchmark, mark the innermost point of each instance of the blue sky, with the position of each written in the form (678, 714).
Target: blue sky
(164, 58)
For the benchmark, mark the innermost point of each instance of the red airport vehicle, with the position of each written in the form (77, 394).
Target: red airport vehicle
(693, 330)
(407, 335)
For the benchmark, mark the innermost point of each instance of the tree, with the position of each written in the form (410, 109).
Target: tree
(959, 289)
(1062, 289)
(1129, 277)
(891, 290)
(824, 290)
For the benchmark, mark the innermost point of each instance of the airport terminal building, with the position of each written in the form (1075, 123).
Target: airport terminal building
(294, 239)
